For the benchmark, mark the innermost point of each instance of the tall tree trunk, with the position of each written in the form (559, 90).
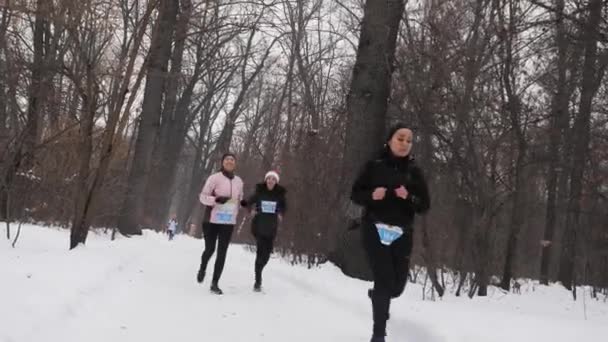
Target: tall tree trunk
(559, 113)
(513, 106)
(466, 150)
(517, 217)
(36, 96)
(80, 228)
(198, 173)
(581, 130)
(367, 100)
(172, 131)
(160, 52)
(4, 23)
(371, 82)
(308, 169)
(483, 223)
(427, 152)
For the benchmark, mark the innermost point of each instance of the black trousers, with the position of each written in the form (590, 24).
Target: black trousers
(220, 235)
(390, 267)
(263, 251)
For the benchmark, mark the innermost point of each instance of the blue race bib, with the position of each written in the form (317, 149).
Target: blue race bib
(269, 207)
(224, 214)
(388, 234)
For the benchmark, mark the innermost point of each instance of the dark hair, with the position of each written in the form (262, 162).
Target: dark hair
(394, 129)
(228, 154)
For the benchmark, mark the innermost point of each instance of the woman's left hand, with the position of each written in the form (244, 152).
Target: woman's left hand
(402, 192)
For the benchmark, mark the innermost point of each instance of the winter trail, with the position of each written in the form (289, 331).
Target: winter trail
(144, 289)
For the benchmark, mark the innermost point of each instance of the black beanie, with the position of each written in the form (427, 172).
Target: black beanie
(394, 130)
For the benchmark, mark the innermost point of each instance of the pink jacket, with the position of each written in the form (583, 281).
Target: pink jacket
(219, 185)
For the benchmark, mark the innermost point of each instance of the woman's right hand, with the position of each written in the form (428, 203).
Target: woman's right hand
(379, 194)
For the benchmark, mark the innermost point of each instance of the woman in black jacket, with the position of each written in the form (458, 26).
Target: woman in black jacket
(268, 204)
(392, 189)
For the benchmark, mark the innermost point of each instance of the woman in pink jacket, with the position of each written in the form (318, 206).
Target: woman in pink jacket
(221, 196)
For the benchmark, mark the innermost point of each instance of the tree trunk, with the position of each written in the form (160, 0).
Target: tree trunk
(36, 96)
(198, 173)
(514, 111)
(517, 216)
(130, 219)
(559, 113)
(581, 130)
(4, 23)
(4, 127)
(371, 83)
(172, 131)
(370, 89)
(468, 158)
(309, 169)
(482, 225)
(427, 152)
(80, 224)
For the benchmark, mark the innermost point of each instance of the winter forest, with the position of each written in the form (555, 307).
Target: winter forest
(114, 112)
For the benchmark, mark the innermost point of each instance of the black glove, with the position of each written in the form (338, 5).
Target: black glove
(244, 203)
(222, 199)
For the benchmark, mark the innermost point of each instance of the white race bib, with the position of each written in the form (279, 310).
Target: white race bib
(388, 234)
(269, 207)
(224, 213)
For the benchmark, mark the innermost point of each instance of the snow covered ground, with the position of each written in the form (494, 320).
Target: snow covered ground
(144, 289)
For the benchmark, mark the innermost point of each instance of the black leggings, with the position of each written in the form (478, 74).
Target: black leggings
(214, 233)
(264, 249)
(390, 267)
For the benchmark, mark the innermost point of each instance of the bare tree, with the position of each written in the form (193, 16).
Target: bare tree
(370, 89)
(592, 76)
(157, 64)
(90, 181)
(559, 124)
(513, 107)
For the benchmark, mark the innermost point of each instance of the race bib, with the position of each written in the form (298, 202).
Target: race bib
(224, 214)
(269, 207)
(388, 234)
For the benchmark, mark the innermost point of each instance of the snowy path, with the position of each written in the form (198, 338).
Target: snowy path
(139, 293)
(144, 289)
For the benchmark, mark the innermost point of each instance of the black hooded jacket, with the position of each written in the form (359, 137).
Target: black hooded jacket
(391, 172)
(268, 204)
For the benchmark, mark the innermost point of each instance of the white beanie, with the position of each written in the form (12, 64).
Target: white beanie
(272, 174)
